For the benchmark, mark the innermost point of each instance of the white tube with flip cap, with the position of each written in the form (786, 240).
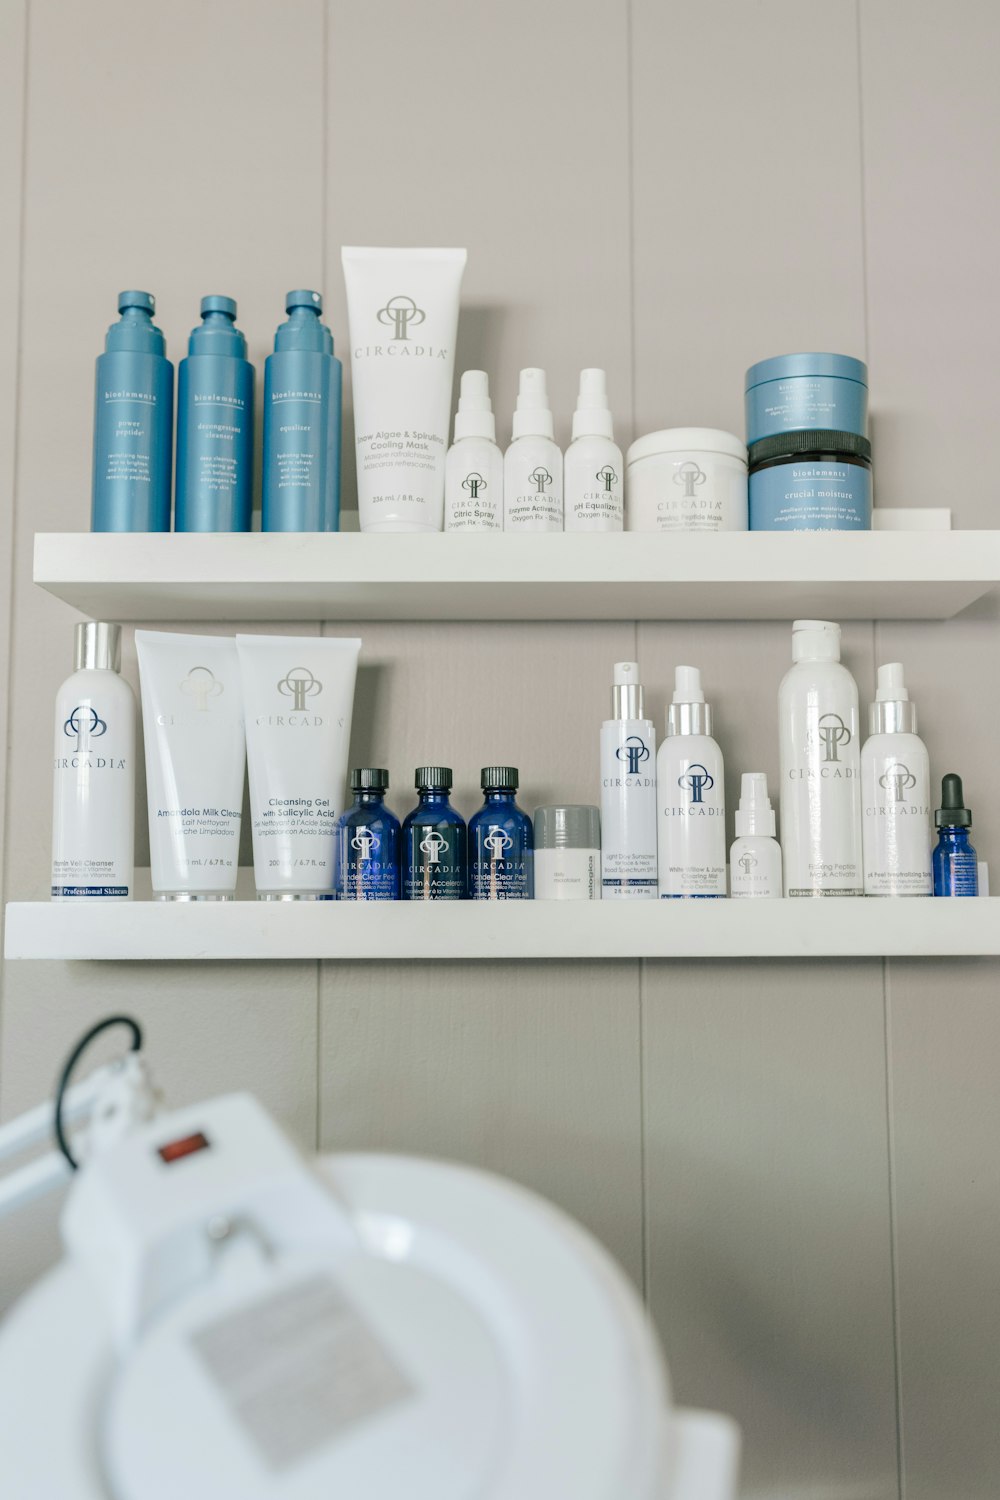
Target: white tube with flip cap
(755, 857)
(895, 794)
(533, 464)
(628, 793)
(691, 797)
(594, 494)
(473, 472)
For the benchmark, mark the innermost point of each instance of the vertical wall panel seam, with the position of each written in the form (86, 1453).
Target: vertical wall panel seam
(323, 241)
(893, 1239)
(630, 139)
(863, 181)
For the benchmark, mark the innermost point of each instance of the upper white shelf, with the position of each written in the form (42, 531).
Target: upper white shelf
(507, 576)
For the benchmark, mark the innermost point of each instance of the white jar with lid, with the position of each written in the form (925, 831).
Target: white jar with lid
(686, 479)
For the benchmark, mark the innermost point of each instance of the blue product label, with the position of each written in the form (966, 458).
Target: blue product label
(812, 495)
(114, 892)
(434, 867)
(803, 401)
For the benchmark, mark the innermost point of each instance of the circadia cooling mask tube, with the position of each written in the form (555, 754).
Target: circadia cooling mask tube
(299, 696)
(192, 715)
(403, 312)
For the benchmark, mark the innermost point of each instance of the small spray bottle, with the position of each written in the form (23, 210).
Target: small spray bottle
(755, 857)
(691, 796)
(473, 469)
(533, 464)
(594, 465)
(628, 793)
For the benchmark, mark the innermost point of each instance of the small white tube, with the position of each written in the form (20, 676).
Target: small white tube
(403, 312)
(192, 714)
(299, 696)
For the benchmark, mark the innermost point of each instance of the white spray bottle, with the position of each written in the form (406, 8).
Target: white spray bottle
(691, 796)
(594, 465)
(628, 793)
(895, 794)
(533, 464)
(473, 468)
(755, 857)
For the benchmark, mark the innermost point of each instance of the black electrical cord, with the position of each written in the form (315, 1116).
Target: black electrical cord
(70, 1064)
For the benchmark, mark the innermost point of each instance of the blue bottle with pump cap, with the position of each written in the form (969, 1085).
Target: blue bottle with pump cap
(302, 418)
(133, 423)
(215, 425)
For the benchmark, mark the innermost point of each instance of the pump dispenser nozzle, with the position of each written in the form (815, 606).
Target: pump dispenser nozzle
(592, 417)
(474, 417)
(626, 691)
(755, 815)
(892, 712)
(688, 713)
(532, 417)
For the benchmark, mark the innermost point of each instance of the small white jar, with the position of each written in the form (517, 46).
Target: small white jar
(686, 479)
(567, 853)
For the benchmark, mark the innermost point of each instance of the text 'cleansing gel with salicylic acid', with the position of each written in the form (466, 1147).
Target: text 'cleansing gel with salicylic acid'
(895, 794)
(403, 311)
(215, 425)
(690, 797)
(755, 856)
(302, 411)
(593, 472)
(192, 717)
(820, 767)
(133, 423)
(473, 475)
(93, 802)
(628, 793)
(533, 464)
(298, 695)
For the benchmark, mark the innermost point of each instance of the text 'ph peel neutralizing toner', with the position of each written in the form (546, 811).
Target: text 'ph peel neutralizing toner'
(533, 464)
(690, 797)
(755, 857)
(820, 767)
(628, 793)
(593, 467)
(473, 468)
(895, 794)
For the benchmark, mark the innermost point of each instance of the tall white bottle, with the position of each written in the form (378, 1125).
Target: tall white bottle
(533, 464)
(820, 767)
(93, 796)
(628, 793)
(895, 794)
(755, 857)
(691, 796)
(473, 468)
(594, 468)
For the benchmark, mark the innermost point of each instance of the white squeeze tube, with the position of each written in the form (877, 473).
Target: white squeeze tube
(403, 311)
(192, 715)
(299, 696)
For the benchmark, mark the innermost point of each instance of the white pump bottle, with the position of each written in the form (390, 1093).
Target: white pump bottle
(691, 796)
(594, 465)
(533, 464)
(473, 469)
(628, 793)
(895, 794)
(755, 857)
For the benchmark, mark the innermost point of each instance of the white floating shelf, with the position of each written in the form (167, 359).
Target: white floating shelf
(843, 928)
(507, 576)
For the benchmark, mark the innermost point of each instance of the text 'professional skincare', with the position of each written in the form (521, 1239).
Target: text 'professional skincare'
(434, 851)
(215, 425)
(133, 423)
(368, 839)
(473, 475)
(533, 464)
(501, 841)
(690, 796)
(302, 417)
(895, 794)
(755, 856)
(956, 867)
(593, 470)
(628, 792)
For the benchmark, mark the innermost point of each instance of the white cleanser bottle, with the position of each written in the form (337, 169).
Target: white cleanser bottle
(93, 798)
(755, 857)
(533, 464)
(820, 767)
(593, 469)
(473, 469)
(691, 796)
(628, 793)
(895, 794)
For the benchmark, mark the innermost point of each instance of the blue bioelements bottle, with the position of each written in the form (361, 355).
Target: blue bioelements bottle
(956, 867)
(302, 397)
(133, 423)
(215, 425)
(434, 853)
(501, 842)
(368, 839)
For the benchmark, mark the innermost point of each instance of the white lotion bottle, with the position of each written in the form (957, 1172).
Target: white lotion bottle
(820, 767)
(691, 796)
(593, 481)
(473, 469)
(533, 464)
(755, 856)
(628, 793)
(895, 794)
(93, 800)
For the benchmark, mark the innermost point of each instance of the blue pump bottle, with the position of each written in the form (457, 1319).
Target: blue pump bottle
(133, 423)
(434, 841)
(501, 841)
(302, 415)
(368, 841)
(215, 425)
(956, 866)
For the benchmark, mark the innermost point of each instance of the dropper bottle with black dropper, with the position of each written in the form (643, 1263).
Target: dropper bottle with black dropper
(956, 866)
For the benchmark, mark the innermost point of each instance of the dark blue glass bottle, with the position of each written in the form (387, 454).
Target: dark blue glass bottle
(956, 865)
(501, 842)
(434, 852)
(368, 839)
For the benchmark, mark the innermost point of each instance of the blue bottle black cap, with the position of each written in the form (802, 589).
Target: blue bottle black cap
(369, 779)
(498, 779)
(953, 812)
(225, 305)
(303, 299)
(145, 300)
(432, 778)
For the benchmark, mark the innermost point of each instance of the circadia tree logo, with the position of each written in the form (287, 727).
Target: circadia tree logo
(299, 684)
(635, 751)
(201, 685)
(696, 780)
(688, 475)
(86, 724)
(401, 312)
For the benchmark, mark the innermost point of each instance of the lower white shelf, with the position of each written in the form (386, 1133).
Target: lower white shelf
(841, 928)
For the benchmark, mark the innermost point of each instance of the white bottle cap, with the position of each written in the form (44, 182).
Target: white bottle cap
(688, 713)
(815, 640)
(592, 417)
(891, 687)
(755, 815)
(892, 712)
(532, 417)
(626, 692)
(687, 685)
(474, 417)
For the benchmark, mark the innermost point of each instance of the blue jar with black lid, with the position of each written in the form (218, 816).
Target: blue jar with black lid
(810, 481)
(790, 392)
